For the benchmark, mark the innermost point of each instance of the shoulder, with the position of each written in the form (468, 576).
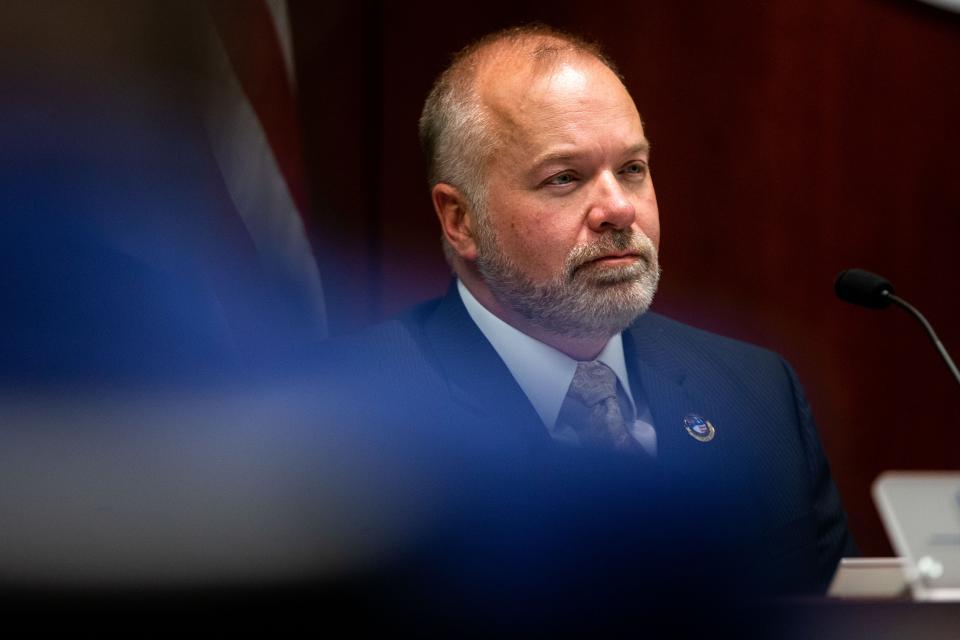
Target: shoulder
(399, 338)
(755, 385)
(657, 335)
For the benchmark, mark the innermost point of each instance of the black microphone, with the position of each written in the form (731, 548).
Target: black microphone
(863, 288)
(875, 292)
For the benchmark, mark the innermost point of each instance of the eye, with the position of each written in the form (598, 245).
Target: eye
(635, 169)
(560, 180)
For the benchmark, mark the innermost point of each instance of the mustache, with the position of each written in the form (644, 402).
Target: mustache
(614, 242)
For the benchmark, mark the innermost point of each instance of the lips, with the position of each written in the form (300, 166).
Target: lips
(617, 258)
(621, 251)
(624, 263)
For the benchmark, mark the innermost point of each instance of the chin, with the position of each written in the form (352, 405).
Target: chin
(619, 304)
(601, 310)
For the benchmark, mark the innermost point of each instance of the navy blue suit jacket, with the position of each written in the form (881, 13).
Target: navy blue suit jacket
(760, 491)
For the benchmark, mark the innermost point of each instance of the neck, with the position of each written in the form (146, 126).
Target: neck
(580, 348)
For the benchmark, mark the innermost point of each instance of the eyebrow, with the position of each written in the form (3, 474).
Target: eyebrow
(639, 148)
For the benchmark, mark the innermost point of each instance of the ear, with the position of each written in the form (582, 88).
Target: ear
(456, 219)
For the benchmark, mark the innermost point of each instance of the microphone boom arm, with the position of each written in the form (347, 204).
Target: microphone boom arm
(903, 304)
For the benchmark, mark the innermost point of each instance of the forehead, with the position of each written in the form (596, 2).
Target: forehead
(571, 100)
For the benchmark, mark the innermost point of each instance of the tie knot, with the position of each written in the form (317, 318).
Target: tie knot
(593, 383)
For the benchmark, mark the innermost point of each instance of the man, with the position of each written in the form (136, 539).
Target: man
(543, 350)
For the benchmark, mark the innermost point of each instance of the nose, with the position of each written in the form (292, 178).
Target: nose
(610, 208)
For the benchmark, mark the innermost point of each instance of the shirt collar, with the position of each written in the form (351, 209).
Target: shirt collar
(543, 372)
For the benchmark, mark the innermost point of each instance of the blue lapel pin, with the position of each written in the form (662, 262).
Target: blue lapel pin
(699, 427)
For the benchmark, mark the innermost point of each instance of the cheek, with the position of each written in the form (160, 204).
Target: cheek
(536, 234)
(648, 218)
(652, 231)
(538, 243)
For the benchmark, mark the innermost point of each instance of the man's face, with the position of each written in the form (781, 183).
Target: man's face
(569, 235)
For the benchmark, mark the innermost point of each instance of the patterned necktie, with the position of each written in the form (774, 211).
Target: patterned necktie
(593, 409)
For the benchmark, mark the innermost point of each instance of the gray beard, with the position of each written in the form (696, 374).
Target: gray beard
(584, 300)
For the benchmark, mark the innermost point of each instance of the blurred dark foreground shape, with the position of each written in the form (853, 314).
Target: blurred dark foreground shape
(271, 498)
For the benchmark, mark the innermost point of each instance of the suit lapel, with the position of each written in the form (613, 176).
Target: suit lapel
(671, 395)
(707, 478)
(478, 380)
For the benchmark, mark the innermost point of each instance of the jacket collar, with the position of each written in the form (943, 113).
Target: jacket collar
(478, 380)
